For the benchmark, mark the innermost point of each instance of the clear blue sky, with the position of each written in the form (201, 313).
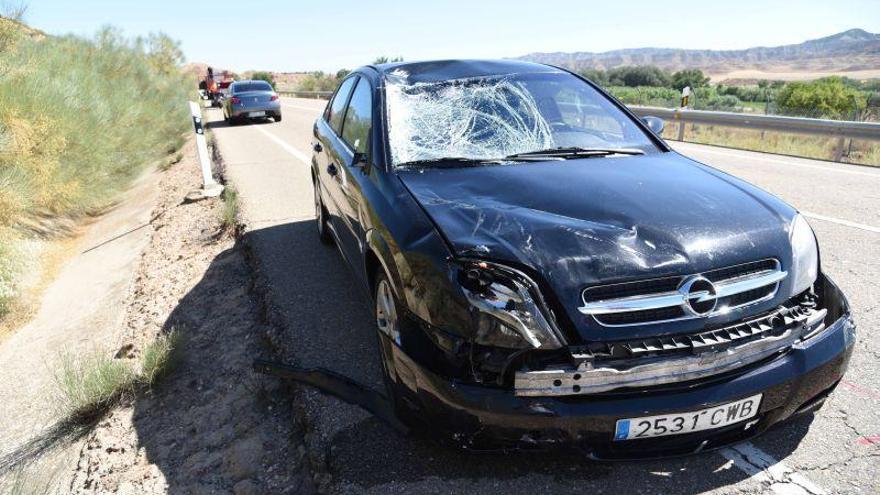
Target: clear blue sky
(327, 35)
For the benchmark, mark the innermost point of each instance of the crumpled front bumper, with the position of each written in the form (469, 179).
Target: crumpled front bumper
(483, 417)
(591, 378)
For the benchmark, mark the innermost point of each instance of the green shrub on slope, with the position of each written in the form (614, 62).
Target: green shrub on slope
(79, 120)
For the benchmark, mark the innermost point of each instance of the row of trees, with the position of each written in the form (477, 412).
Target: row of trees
(648, 76)
(831, 97)
(322, 81)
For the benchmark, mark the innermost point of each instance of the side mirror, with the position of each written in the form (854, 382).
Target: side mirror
(361, 159)
(656, 124)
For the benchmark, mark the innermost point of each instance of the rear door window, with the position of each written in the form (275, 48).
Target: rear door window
(358, 118)
(251, 86)
(337, 106)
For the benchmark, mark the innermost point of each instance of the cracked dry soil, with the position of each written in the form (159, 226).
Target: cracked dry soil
(211, 425)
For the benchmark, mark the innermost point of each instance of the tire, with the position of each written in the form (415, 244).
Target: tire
(321, 217)
(278, 118)
(383, 298)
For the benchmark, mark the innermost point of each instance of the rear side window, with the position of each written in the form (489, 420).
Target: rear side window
(251, 86)
(358, 117)
(337, 106)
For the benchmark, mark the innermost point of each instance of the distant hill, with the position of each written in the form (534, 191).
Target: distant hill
(854, 53)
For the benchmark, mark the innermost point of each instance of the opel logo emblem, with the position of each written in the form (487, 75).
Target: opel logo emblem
(700, 297)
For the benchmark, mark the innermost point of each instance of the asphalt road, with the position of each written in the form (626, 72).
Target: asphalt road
(326, 322)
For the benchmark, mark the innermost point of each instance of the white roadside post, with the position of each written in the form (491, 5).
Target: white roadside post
(685, 97)
(210, 187)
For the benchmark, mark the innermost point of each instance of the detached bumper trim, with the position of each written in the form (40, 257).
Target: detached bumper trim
(591, 378)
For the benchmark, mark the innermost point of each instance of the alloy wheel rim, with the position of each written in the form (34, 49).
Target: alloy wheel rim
(386, 312)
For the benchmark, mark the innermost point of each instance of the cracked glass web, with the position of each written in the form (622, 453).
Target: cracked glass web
(475, 118)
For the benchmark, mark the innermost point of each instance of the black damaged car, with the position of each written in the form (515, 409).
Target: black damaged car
(545, 270)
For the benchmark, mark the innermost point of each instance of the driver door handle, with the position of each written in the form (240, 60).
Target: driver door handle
(317, 147)
(332, 169)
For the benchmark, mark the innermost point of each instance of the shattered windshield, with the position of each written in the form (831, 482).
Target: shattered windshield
(489, 118)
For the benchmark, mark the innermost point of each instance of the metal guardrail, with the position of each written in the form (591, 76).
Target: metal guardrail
(797, 125)
(307, 94)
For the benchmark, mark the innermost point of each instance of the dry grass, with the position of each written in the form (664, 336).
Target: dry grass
(159, 358)
(90, 384)
(861, 152)
(230, 211)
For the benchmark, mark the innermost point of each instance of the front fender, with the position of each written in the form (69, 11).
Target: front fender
(379, 246)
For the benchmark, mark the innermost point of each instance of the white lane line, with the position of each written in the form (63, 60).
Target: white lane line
(763, 468)
(299, 155)
(298, 107)
(841, 221)
(751, 156)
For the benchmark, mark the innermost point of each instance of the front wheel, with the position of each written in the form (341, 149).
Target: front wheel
(390, 327)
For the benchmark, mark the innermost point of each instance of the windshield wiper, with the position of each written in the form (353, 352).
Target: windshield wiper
(575, 152)
(449, 161)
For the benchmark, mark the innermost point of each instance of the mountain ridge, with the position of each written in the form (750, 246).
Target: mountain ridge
(854, 51)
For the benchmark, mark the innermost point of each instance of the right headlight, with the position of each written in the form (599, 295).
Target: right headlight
(509, 310)
(804, 255)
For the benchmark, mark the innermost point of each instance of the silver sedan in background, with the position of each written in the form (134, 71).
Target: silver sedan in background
(251, 100)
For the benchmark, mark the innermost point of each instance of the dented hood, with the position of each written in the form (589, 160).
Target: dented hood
(585, 222)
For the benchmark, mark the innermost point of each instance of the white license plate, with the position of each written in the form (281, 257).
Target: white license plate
(256, 114)
(679, 423)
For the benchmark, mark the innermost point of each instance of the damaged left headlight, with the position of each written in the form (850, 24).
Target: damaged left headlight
(509, 310)
(804, 255)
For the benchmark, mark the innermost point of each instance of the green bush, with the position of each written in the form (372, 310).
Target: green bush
(598, 76)
(318, 81)
(639, 75)
(689, 77)
(264, 76)
(79, 120)
(829, 97)
(646, 96)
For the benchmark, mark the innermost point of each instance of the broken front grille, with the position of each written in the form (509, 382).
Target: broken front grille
(683, 297)
(601, 367)
(774, 323)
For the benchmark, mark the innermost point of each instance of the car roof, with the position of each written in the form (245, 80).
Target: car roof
(443, 70)
(249, 81)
